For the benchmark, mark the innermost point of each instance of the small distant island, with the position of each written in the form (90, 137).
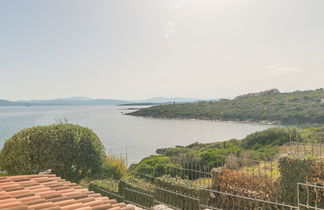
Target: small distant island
(268, 107)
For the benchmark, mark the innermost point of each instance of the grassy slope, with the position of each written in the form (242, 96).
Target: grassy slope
(297, 107)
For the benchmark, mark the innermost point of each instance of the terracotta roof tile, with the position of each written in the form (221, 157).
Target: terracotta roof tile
(46, 191)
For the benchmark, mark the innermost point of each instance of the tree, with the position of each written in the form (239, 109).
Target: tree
(70, 151)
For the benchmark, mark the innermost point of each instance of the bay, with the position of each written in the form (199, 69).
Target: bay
(122, 135)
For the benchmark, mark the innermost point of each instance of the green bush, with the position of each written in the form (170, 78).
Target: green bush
(213, 157)
(70, 151)
(105, 184)
(179, 185)
(135, 183)
(271, 136)
(155, 165)
(170, 152)
(293, 170)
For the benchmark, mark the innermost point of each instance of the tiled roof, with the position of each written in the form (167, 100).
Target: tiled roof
(50, 192)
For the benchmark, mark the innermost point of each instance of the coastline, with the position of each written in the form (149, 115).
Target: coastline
(261, 122)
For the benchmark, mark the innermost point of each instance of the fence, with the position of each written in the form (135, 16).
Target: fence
(202, 174)
(310, 196)
(138, 198)
(207, 199)
(252, 167)
(109, 194)
(316, 150)
(316, 136)
(201, 178)
(176, 200)
(220, 200)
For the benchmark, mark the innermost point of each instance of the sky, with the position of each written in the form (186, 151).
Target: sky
(135, 49)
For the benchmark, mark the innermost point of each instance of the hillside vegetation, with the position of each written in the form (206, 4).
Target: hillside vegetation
(299, 107)
(226, 175)
(261, 145)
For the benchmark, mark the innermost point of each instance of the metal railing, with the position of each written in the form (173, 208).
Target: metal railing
(310, 196)
(109, 194)
(176, 200)
(206, 199)
(220, 200)
(138, 198)
(256, 168)
(201, 178)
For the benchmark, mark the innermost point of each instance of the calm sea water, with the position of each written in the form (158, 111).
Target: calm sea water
(121, 134)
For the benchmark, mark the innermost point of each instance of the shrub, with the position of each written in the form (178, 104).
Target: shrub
(319, 172)
(214, 157)
(236, 182)
(154, 165)
(293, 170)
(135, 183)
(71, 151)
(114, 167)
(110, 185)
(179, 185)
(170, 152)
(271, 136)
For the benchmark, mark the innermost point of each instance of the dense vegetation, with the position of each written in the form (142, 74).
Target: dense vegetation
(191, 177)
(299, 107)
(261, 145)
(70, 151)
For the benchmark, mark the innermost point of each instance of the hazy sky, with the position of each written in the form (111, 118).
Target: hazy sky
(145, 48)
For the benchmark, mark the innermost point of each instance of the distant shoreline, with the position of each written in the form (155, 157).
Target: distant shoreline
(267, 107)
(261, 122)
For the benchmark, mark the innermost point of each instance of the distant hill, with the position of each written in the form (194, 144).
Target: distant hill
(79, 100)
(4, 103)
(10, 103)
(159, 100)
(63, 101)
(270, 106)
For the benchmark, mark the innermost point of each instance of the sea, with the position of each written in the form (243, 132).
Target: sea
(129, 137)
